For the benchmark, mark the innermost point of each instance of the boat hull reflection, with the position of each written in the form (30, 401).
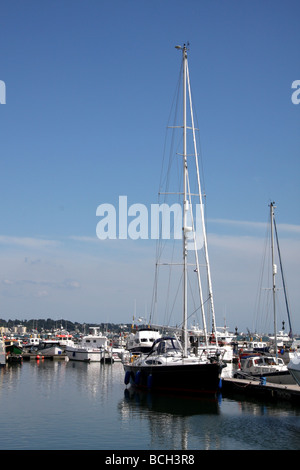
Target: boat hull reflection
(171, 404)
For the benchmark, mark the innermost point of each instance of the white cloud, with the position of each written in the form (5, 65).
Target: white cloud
(29, 242)
(101, 282)
(236, 264)
(284, 228)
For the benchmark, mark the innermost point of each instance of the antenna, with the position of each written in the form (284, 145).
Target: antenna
(183, 47)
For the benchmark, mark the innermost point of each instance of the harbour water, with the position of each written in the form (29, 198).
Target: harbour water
(58, 405)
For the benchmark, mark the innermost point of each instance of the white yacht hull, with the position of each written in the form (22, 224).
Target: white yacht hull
(2, 353)
(2, 359)
(268, 367)
(294, 367)
(84, 355)
(52, 351)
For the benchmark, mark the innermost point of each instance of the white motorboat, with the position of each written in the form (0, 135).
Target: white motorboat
(255, 346)
(50, 350)
(294, 366)
(170, 365)
(271, 368)
(32, 343)
(92, 348)
(283, 339)
(60, 341)
(215, 344)
(224, 336)
(142, 340)
(2, 352)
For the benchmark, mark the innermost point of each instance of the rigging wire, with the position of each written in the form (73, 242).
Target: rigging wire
(169, 166)
(283, 282)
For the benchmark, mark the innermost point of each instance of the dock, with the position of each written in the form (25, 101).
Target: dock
(39, 356)
(254, 389)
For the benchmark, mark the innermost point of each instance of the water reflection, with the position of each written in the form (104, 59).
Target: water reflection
(167, 416)
(195, 423)
(59, 405)
(171, 404)
(94, 379)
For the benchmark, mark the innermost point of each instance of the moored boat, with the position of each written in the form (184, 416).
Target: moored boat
(268, 367)
(92, 348)
(165, 368)
(2, 352)
(170, 365)
(142, 340)
(48, 350)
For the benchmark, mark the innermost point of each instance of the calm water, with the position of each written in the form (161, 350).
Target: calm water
(69, 405)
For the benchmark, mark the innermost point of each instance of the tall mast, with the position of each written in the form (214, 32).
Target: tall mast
(185, 204)
(187, 209)
(274, 271)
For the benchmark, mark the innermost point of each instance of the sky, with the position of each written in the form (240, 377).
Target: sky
(88, 90)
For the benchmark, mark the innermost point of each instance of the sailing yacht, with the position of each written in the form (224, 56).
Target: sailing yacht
(272, 368)
(171, 364)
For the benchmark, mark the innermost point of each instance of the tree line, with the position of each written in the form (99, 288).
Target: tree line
(49, 324)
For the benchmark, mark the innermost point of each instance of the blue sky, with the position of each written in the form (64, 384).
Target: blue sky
(88, 91)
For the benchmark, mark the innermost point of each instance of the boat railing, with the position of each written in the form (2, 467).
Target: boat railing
(213, 354)
(246, 376)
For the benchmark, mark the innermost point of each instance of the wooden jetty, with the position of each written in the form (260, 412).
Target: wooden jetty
(255, 389)
(39, 356)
